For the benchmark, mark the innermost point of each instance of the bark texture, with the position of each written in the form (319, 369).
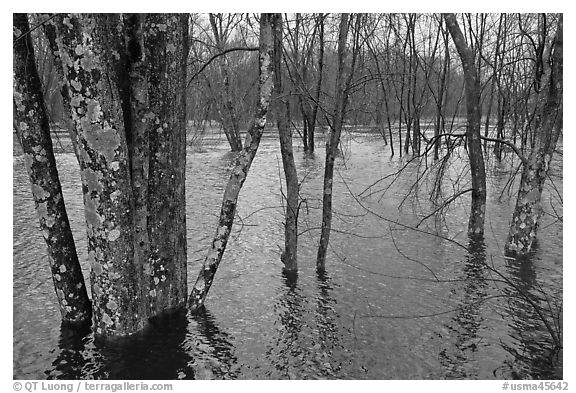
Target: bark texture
(332, 145)
(166, 130)
(528, 210)
(126, 79)
(289, 255)
(50, 32)
(241, 167)
(473, 142)
(87, 44)
(33, 131)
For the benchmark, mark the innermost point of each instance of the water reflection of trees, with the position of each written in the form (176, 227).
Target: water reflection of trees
(326, 325)
(154, 353)
(533, 318)
(468, 318)
(285, 352)
(308, 336)
(72, 357)
(175, 346)
(211, 349)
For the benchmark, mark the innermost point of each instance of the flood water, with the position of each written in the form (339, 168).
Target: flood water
(393, 303)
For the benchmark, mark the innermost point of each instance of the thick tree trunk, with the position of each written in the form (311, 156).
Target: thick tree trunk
(473, 109)
(332, 145)
(129, 111)
(241, 168)
(289, 256)
(523, 228)
(96, 111)
(31, 123)
(157, 134)
(167, 193)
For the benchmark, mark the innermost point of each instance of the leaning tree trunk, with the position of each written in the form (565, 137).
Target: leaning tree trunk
(289, 256)
(241, 168)
(33, 131)
(332, 145)
(49, 27)
(528, 208)
(473, 109)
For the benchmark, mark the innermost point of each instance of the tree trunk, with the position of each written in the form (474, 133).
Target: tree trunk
(157, 135)
(96, 111)
(226, 107)
(32, 128)
(474, 145)
(316, 105)
(502, 102)
(289, 256)
(241, 168)
(528, 208)
(332, 145)
(439, 123)
(129, 111)
(50, 32)
(300, 80)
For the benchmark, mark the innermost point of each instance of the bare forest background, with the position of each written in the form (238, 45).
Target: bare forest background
(133, 90)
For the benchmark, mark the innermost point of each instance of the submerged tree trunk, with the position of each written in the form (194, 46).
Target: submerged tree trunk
(289, 255)
(157, 148)
(241, 168)
(96, 111)
(128, 109)
(32, 128)
(473, 110)
(528, 208)
(332, 145)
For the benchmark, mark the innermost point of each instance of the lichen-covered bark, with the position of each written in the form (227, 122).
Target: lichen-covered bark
(289, 256)
(32, 128)
(166, 37)
(473, 113)
(241, 168)
(50, 31)
(332, 145)
(525, 219)
(137, 123)
(88, 46)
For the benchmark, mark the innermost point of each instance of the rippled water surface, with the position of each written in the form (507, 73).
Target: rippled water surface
(393, 303)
